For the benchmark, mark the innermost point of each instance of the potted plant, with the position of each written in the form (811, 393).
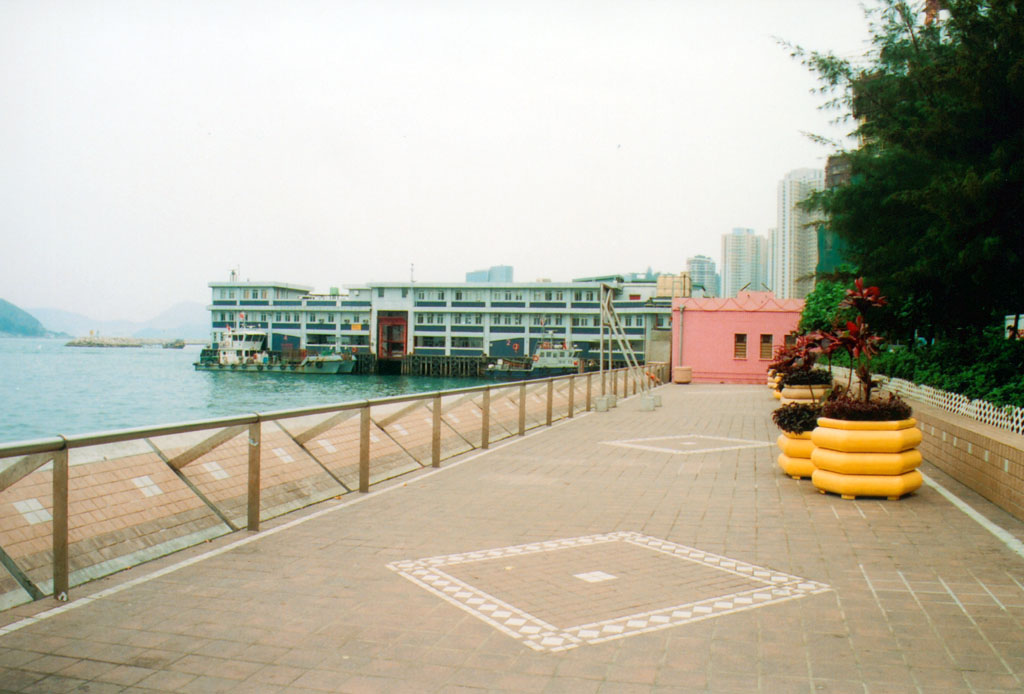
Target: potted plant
(806, 386)
(863, 445)
(796, 420)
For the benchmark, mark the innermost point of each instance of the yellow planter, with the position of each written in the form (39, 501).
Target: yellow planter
(891, 487)
(807, 394)
(795, 458)
(866, 458)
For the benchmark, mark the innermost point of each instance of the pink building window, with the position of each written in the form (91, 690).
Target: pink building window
(739, 348)
(766, 346)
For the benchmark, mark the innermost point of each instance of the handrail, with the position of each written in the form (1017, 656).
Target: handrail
(32, 455)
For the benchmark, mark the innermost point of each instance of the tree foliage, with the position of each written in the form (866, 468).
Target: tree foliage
(821, 307)
(935, 204)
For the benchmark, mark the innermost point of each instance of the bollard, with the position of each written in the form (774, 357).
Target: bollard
(601, 403)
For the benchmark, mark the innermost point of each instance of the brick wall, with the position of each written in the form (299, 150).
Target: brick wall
(988, 460)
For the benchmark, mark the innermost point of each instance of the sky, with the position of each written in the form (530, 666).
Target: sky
(149, 147)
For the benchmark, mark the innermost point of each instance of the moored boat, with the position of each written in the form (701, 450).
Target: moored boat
(549, 359)
(246, 350)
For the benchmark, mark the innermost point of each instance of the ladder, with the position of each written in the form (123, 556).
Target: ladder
(616, 335)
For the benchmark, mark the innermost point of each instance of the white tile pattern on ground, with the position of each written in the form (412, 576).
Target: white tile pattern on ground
(687, 444)
(748, 586)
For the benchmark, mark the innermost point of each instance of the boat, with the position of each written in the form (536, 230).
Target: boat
(549, 359)
(246, 350)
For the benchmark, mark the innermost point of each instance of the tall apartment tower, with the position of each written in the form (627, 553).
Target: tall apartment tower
(795, 241)
(702, 273)
(744, 262)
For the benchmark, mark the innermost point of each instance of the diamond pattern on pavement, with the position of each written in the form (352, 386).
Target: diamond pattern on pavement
(533, 592)
(688, 443)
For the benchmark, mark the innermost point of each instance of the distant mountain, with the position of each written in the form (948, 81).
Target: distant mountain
(15, 321)
(187, 320)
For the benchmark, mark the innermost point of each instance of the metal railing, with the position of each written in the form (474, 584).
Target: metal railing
(358, 444)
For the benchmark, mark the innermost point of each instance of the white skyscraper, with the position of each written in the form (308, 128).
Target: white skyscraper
(702, 273)
(795, 240)
(744, 262)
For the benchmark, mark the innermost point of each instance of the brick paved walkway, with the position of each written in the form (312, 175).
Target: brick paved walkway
(625, 551)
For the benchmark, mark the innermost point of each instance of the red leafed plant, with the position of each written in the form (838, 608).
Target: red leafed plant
(857, 339)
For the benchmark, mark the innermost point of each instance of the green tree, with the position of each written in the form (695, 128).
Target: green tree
(821, 307)
(934, 208)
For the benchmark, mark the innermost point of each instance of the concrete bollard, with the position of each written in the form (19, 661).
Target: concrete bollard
(646, 403)
(613, 399)
(601, 403)
(657, 400)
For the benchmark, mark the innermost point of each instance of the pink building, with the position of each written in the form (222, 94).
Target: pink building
(731, 340)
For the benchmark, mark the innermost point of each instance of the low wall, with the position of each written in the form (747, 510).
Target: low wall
(986, 459)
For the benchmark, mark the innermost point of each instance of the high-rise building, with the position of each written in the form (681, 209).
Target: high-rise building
(832, 250)
(702, 274)
(495, 273)
(744, 262)
(795, 241)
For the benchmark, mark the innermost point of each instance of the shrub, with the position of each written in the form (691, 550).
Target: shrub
(857, 410)
(797, 417)
(815, 377)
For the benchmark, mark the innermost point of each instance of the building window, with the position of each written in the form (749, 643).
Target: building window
(458, 295)
(380, 292)
(558, 296)
(791, 340)
(420, 295)
(405, 292)
(468, 342)
(766, 347)
(429, 341)
(440, 296)
(739, 349)
(639, 321)
(634, 297)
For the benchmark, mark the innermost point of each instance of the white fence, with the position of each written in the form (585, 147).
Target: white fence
(1000, 416)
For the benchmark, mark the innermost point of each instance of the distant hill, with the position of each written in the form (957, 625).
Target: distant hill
(15, 321)
(186, 320)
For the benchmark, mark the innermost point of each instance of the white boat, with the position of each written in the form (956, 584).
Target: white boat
(246, 350)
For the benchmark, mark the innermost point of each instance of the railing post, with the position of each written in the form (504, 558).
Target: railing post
(435, 437)
(572, 396)
(364, 449)
(60, 524)
(522, 408)
(615, 382)
(485, 420)
(625, 382)
(590, 388)
(551, 398)
(255, 448)
(636, 378)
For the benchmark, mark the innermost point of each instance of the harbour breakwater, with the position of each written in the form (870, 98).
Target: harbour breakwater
(93, 341)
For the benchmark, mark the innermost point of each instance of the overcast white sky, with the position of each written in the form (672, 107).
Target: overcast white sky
(148, 147)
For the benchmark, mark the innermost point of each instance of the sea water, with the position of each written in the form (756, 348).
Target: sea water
(48, 389)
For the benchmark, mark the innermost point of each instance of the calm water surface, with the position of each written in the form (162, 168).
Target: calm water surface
(48, 389)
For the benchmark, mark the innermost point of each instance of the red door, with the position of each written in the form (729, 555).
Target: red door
(391, 337)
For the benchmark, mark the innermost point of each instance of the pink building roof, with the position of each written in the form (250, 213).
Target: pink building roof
(744, 301)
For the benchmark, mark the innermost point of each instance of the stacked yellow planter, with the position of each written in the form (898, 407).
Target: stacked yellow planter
(795, 458)
(855, 458)
(807, 394)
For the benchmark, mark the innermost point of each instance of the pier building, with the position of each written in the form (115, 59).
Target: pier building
(412, 327)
